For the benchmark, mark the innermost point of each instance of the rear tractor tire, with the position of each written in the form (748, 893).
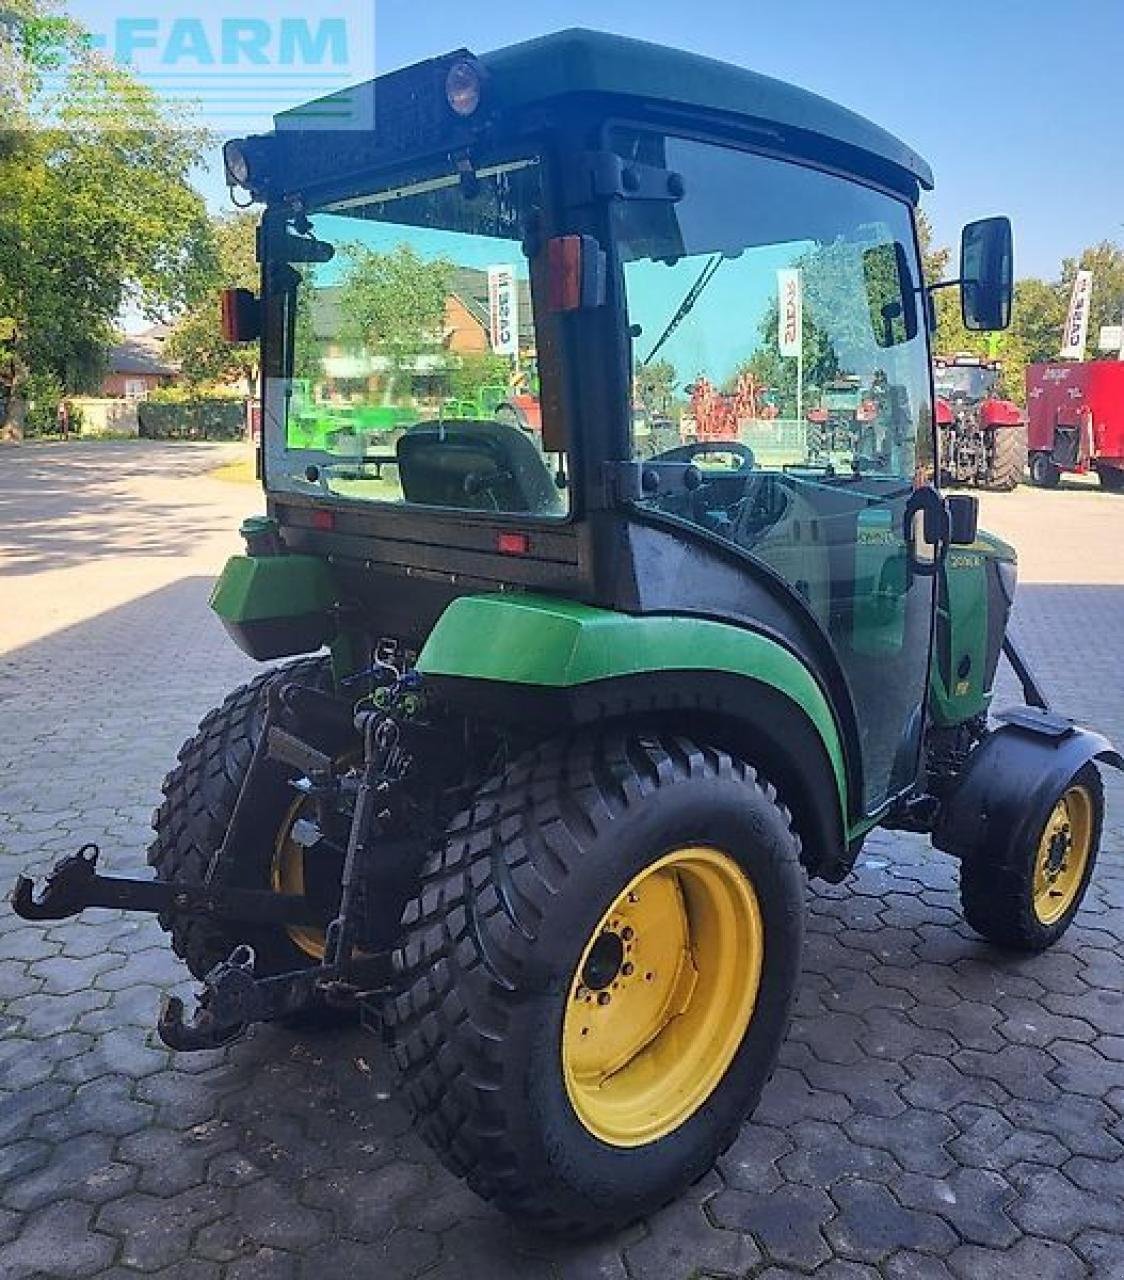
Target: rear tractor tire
(190, 824)
(1008, 460)
(1043, 473)
(1027, 898)
(1112, 479)
(596, 976)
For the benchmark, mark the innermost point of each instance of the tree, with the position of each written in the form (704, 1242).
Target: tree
(204, 355)
(1106, 262)
(934, 259)
(97, 211)
(394, 303)
(657, 388)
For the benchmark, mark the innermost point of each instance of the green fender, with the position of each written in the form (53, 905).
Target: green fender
(546, 642)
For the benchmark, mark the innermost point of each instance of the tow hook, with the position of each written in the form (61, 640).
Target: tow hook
(66, 889)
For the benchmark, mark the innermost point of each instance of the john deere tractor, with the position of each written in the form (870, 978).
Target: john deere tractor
(569, 728)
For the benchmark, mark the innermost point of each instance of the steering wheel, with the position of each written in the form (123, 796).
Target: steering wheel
(702, 448)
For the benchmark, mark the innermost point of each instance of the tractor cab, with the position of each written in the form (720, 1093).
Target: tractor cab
(629, 222)
(965, 378)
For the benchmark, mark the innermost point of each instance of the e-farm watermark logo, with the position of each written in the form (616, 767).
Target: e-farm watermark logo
(240, 63)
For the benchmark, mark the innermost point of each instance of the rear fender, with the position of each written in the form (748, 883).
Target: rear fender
(1011, 781)
(1001, 413)
(538, 661)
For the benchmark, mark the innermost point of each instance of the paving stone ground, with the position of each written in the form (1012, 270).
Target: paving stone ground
(940, 1109)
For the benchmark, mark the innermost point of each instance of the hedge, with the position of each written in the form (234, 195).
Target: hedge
(198, 420)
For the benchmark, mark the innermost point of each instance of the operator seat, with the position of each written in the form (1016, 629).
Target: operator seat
(476, 466)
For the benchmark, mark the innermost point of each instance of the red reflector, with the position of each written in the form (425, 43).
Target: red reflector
(513, 544)
(564, 259)
(325, 520)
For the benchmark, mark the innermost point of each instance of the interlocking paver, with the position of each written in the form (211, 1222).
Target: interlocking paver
(682, 1242)
(972, 1200)
(787, 1222)
(872, 1224)
(1030, 1257)
(940, 1109)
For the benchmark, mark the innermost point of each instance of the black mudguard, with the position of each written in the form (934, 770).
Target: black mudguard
(1012, 781)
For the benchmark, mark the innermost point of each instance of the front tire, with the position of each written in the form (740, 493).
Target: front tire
(1027, 898)
(1043, 473)
(596, 976)
(1112, 479)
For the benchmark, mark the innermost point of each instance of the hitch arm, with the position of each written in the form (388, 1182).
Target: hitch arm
(73, 884)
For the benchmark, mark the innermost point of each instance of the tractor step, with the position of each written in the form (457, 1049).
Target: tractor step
(73, 885)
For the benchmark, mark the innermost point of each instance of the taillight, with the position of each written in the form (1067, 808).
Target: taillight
(513, 544)
(576, 273)
(325, 521)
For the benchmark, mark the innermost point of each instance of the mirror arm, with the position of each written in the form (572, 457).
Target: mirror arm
(944, 284)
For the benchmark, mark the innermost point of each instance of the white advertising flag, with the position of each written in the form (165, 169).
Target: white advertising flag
(790, 299)
(503, 310)
(1077, 322)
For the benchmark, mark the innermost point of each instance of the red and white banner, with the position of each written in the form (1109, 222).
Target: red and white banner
(1077, 322)
(790, 300)
(503, 310)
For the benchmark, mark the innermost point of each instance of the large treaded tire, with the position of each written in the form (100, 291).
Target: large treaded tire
(199, 797)
(997, 894)
(490, 948)
(1112, 479)
(1008, 460)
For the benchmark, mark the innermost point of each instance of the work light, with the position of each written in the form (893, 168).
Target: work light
(237, 161)
(464, 87)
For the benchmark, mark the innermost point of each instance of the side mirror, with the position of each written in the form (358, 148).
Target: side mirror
(241, 315)
(987, 274)
(964, 518)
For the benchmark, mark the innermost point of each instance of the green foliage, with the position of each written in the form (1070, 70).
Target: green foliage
(657, 388)
(1106, 262)
(393, 304)
(97, 210)
(477, 371)
(205, 357)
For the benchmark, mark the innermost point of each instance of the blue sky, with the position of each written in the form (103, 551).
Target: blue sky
(1018, 106)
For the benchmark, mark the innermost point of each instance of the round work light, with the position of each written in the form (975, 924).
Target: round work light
(464, 88)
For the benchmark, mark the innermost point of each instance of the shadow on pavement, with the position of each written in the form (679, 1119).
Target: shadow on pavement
(66, 504)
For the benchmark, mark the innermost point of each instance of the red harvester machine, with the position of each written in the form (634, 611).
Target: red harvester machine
(983, 437)
(1076, 421)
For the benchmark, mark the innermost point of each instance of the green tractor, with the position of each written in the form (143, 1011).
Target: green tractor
(586, 721)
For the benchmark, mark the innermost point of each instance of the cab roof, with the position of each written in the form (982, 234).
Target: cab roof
(582, 61)
(594, 65)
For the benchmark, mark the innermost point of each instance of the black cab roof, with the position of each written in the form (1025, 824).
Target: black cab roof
(584, 63)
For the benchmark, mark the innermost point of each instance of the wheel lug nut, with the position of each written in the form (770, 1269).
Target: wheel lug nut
(604, 998)
(627, 934)
(627, 970)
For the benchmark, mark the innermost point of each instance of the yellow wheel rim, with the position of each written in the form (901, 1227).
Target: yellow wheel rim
(288, 877)
(1063, 855)
(662, 997)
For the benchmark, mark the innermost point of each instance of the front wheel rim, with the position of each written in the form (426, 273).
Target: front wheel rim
(1063, 855)
(662, 996)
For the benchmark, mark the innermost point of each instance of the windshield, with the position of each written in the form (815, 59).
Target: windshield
(770, 294)
(972, 382)
(413, 351)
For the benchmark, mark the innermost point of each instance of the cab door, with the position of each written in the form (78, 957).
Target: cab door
(766, 285)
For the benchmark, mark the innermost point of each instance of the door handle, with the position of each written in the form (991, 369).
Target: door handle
(928, 528)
